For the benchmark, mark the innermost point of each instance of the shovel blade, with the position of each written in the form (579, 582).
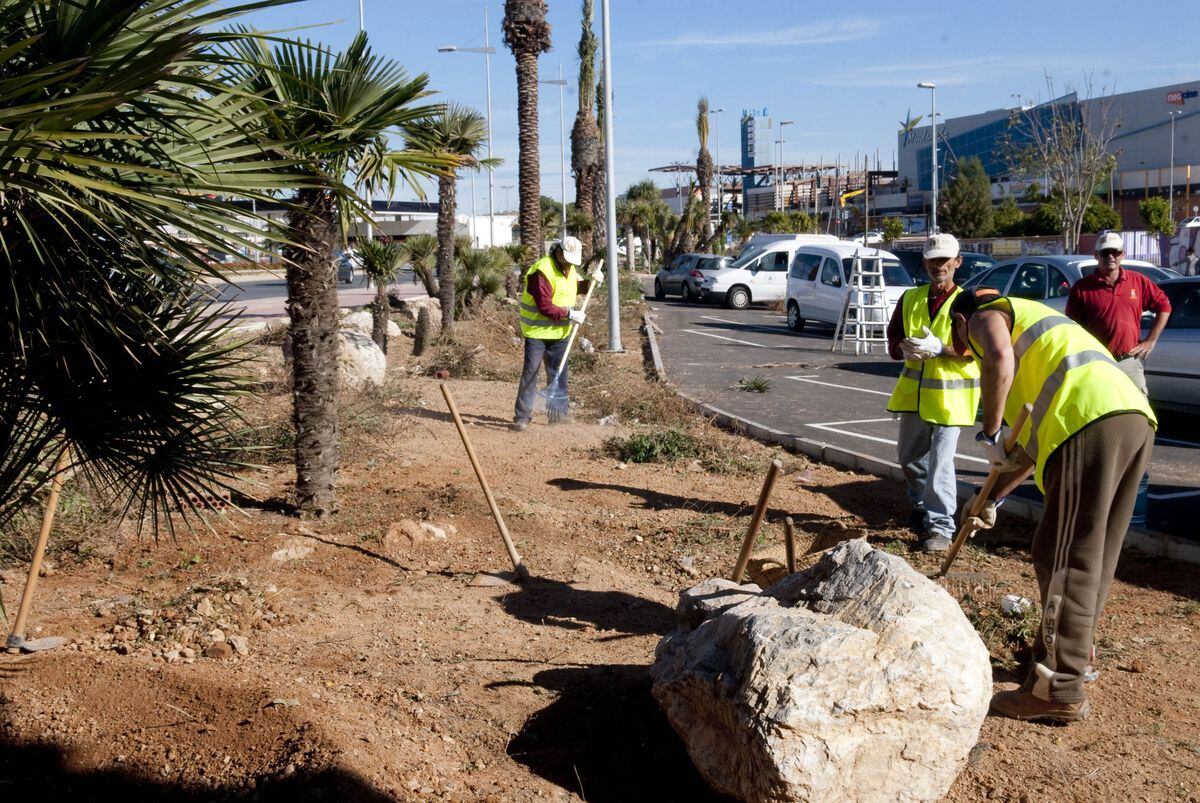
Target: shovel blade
(495, 579)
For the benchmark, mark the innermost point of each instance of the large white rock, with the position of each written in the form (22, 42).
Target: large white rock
(364, 321)
(858, 679)
(361, 363)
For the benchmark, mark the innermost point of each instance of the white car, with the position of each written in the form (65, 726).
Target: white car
(1172, 370)
(818, 282)
(759, 274)
(872, 237)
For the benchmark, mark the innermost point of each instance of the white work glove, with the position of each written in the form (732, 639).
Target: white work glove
(924, 348)
(597, 275)
(1001, 460)
(914, 355)
(577, 316)
(985, 519)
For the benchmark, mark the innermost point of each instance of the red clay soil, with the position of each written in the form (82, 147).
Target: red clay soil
(371, 669)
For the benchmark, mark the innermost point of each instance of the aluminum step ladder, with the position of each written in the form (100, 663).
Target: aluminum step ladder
(864, 317)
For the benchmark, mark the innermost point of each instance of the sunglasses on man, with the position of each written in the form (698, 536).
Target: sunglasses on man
(1111, 252)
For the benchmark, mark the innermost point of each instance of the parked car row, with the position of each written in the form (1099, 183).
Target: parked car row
(1049, 279)
(811, 273)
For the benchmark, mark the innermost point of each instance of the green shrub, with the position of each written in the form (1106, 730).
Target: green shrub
(657, 447)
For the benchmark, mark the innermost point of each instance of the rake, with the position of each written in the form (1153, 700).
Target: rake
(554, 399)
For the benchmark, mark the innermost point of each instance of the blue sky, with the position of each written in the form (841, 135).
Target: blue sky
(846, 73)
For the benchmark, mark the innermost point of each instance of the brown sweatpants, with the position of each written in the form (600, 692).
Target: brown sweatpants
(1091, 486)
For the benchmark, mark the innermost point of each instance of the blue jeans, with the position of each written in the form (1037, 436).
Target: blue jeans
(926, 454)
(537, 352)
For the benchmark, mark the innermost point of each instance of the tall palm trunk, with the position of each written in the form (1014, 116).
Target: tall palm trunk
(529, 165)
(704, 176)
(600, 205)
(379, 316)
(585, 135)
(313, 310)
(447, 187)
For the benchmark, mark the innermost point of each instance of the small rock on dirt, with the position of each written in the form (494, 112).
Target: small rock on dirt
(293, 549)
(219, 650)
(204, 607)
(1138, 665)
(434, 532)
(241, 644)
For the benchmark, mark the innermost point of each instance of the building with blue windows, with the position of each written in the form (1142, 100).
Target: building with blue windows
(1142, 147)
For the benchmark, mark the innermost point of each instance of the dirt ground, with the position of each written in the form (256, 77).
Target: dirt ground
(356, 660)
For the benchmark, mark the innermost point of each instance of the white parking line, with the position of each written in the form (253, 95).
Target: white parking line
(1176, 495)
(730, 339)
(833, 385)
(832, 426)
(769, 329)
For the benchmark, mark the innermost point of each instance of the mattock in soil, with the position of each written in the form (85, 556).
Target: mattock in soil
(519, 572)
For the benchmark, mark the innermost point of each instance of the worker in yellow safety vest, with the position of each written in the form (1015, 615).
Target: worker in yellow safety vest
(1087, 442)
(550, 288)
(936, 395)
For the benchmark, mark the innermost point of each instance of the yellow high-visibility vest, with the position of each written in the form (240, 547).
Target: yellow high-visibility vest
(534, 324)
(1066, 374)
(941, 391)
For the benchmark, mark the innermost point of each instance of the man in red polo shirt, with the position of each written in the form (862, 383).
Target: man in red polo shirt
(1109, 304)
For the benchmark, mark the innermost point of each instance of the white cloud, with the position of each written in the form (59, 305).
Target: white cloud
(828, 32)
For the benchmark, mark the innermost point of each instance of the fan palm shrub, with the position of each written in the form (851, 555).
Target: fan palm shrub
(381, 261)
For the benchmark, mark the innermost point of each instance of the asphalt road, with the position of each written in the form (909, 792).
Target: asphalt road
(841, 398)
(260, 298)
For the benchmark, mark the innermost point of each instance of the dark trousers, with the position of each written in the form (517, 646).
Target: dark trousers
(1091, 486)
(537, 353)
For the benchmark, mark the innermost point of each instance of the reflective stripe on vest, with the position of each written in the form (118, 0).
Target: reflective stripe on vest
(941, 391)
(534, 324)
(1067, 375)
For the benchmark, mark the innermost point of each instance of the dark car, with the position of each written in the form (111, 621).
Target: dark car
(973, 264)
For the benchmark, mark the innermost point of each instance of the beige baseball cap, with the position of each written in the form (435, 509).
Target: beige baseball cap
(1109, 240)
(572, 250)
(940, 245)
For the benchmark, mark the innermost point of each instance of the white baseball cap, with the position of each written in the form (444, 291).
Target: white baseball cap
(940, 245)
(1110, 239)
(572, 250)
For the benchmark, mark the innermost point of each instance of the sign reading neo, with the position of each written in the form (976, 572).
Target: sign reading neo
(1179, 96)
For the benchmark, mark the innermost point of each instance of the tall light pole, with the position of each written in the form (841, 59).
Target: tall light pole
(488, 51)
(562, 141)
(1171, 186)
(716, 113)
(782, 123)
(932, 87)
(610, 182)
(506, 188)
(361, 20)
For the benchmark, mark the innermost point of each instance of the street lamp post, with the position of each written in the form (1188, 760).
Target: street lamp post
(361, 20)
(610, 182)
(488, 51)
(932, 87)
(782, 172)
(1171, 186)
(506, 188)
(562, 141)
(720, 193)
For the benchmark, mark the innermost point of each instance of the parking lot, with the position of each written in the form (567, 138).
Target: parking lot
(841, 398)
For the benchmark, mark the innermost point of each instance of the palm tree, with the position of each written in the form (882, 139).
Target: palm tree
(338, 110)
(527, 34)
(704, 164)
(123, 145)
(381, 260)
(420, 251)
(585, 137)
(481, 274)
(458, 133)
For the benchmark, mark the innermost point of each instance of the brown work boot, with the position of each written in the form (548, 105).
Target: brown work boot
(1017, 704)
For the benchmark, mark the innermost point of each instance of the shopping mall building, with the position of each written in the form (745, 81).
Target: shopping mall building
(1142, 145)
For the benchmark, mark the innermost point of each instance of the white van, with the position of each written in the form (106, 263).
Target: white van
(760, 271)
(819, 281)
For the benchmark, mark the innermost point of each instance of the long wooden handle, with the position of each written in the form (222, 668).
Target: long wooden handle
(39, 551)
(587, 297)
(789, 543)
(965, 531)
(518, 566)
(760, 510)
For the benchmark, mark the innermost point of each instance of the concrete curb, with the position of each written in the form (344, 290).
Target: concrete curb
(1150, 542)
